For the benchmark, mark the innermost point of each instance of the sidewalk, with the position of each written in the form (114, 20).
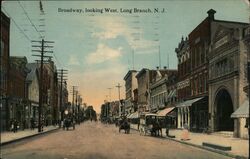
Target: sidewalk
(240, 147)
(8, 137)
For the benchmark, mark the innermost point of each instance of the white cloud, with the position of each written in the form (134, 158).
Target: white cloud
(103, 53)
(112, 27)
(73, 60)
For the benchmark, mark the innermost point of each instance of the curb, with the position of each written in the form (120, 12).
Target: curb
(209, 149)
(205, 148)
(27, 137)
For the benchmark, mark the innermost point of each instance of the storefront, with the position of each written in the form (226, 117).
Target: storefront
(193, 114)
(168, 117)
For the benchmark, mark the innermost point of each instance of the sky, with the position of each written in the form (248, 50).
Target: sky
(98, 48)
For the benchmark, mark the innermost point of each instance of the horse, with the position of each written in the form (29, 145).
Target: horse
(156, 129)
(125, 126)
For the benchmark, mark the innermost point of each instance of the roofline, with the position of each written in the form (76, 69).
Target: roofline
(226, 21)
(140, 72)
(128, 73)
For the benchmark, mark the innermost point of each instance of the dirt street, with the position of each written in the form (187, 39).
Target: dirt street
(93, 140)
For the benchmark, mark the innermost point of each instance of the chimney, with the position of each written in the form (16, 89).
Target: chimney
(211, 13)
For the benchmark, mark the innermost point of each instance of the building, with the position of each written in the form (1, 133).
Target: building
(4, 71)
(63, 104)
(51, 92)
(163, 95)
(32, 81)
(227, 77)
(17, 92)
(160, 91)
(183, 85)
(144, 78)
(130, 86)
(114, 109)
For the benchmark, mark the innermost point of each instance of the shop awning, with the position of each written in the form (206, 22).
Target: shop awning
(189, 102)
(165, 111)
(242, 111)
(128, 115)
(133, 115)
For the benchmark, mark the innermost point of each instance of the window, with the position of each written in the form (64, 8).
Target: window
(2, 48)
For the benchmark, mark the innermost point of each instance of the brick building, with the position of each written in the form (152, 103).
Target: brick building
(4, 69)
(183, 85)
(17, 91)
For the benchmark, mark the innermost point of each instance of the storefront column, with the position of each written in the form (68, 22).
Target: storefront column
(188, 112)
(179, 117)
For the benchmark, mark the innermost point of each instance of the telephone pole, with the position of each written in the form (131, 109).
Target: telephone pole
(61, 75)
(42, 51)
(73, 98)
(118, 86)
(109, 94)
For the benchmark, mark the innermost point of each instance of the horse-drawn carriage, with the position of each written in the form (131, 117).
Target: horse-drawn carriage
(123, 125)
(150, 124)
(68, 122)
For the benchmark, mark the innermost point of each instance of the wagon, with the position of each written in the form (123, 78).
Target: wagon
(146, 123)
(68, 123)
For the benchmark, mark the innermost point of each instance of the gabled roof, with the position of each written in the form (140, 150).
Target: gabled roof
(33, 67)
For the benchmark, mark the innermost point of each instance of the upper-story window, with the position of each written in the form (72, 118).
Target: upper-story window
(2, 48)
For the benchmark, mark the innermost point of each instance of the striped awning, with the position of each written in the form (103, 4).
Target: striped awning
(189, 102)
(242, 111)
(165, 111)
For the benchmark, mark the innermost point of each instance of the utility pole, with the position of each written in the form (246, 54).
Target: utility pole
(76, 110)
(133, 58)
(118, 86)
(73, 99)
(61, 74)
(159, 57)
(109, 94)
(42, 56)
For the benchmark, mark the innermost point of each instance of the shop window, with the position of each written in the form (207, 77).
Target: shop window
(247, 123)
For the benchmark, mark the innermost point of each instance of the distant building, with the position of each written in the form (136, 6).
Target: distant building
(51, 94)
(130, 86)
(144, 78)
(32, 81)
(160, 92)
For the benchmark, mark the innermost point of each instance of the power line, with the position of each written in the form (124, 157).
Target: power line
(33, 25)
(29, 18)
(41, 9)
(26, 36)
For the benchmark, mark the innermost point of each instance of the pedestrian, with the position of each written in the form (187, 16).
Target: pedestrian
(12, 125)
(32, 123)
(15, 126)
(167, 126)
(24, 124)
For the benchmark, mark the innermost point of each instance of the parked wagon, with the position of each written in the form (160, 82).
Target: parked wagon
(149, 124)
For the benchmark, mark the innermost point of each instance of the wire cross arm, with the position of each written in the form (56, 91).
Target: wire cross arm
(41, 51)
(43, 56)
